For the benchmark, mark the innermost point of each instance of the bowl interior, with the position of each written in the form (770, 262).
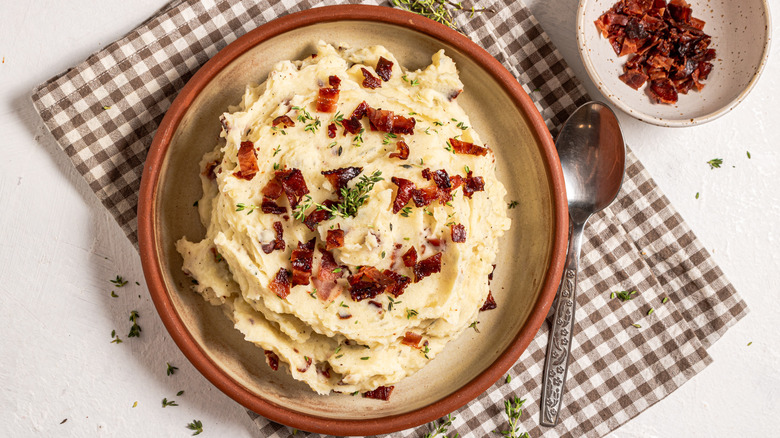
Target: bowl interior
(526, 250)
(740, 35)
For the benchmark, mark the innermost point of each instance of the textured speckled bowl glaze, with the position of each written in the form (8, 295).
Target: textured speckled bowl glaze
(741, 34)
(531, 254)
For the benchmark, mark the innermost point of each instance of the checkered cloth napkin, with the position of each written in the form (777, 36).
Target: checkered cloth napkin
(104, 113)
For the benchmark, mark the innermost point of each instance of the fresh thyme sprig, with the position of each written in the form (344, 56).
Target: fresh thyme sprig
(441, 428)
(249, 208)
(195, 426)
(135, 330)
(358, 139)
(513, 408)
(438, 10)
(353, 198)
(299, 212)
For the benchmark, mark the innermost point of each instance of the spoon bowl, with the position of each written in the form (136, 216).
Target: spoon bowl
(593, 158)
(592, 155)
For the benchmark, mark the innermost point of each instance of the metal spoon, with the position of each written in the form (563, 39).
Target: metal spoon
(593, 157)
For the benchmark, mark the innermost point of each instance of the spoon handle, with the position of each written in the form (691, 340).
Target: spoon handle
(556, 363)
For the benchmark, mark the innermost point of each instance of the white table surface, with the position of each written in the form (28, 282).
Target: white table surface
(59, 248)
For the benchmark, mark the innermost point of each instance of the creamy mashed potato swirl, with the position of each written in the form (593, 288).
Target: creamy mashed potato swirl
(334, 342)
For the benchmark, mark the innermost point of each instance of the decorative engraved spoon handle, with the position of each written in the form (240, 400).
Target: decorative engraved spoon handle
(556, 363)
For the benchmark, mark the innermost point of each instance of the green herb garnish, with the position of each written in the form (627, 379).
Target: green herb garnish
(715, 163)
(441, 428)
(249, 208)
(625, 295)
(410, 313)
(197, 426)
(171, 369)
(166, 403)
(513, 408)
(474, 326)
(512, 205)
(135, 330)
(353, 198)
(119, 281)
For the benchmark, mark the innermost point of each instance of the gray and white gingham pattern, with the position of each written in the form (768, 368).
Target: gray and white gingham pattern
(104, 113)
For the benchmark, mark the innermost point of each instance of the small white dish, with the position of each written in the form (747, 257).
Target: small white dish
(741, 34)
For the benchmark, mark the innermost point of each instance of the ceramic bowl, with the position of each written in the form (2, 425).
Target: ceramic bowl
(531, 253)
(740, 33)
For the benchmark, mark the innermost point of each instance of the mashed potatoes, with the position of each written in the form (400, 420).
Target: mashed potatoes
(352, 217)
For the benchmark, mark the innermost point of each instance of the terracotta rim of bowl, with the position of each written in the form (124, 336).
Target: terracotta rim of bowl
(148, 241)
(670, 123)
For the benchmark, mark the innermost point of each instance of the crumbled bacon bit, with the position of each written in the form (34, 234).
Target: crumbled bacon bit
(665, 43)
(339, 178)
(273, 190)
(332, 130)
(412, 339)
(490, 276)
(426, 173)
(317, 216)
(370, 81)
(284, 120)
(441, 179)
(327, 99)
(325, 370)
(334, 81)
(272, 359)
(410, 257)
(458, 232)
(387, 121)
(396, 288)
(456, 181)
(270, 207)
(301, 259)
(335, 239)
(427, 267)
(381, 393)
(425, 195)
(293, 184)
(351, 125)
(466, 148)
(307, 361)
(360, 110)
(376, 304)
(490, 303)
(368, 283)
(473, 184)
(434, 241)
(343, 314)
(280, 285)
(208, 171)
(325, 280)
(403, 150)
(247, 161)
(454, 95)
(278, 242)
(384, 68)
(404, 194)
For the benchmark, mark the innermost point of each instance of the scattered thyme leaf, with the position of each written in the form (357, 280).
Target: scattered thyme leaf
(196, 426)
(119, 281)
(748, 154)
(512, 205)
(135, 403)
(277, 150)
(715, 163)
(180, 393)
(650, 312)
(749, 343)
(365, 358)
(114, 295)
(508, 378)
(697, 195)
(636, 325)
(171, 369)
(625, 295)
(664, 300)
(392, 303)
(474, 326)
(166, 403)
(410, 313)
